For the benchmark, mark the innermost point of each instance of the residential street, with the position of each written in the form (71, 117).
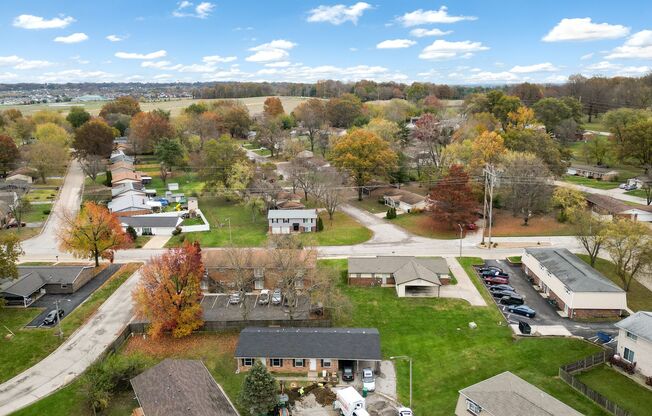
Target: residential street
(614, 193)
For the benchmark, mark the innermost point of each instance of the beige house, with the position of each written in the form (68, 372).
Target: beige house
(579, 290)
(400, 199)
(593, 172)
(635, 341)
(506, 394)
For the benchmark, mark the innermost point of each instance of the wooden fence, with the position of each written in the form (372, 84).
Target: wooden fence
(566, 374)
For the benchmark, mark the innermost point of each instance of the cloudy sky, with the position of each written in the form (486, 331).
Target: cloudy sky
(470, 42)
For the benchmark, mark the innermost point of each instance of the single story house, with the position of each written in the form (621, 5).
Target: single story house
(19, 177)
(129, 205)
(121, 167)
(290, 350)
(288, 200)
(399, 199)
(17, 185)
(608, 208)
(593, 172)
(177, 387)
(635, 341)
(579, 290)
(286, 221)
(151, 224)
(120, 156)
(35, 281)
(412, 276)
(221, 267)
(122, 177)
(506, 394)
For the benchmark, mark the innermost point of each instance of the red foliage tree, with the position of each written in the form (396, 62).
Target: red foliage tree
(451, 200)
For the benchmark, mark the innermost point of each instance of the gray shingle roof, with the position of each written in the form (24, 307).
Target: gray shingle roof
(55, 274)
(508, 395)
(639, 324)
(291, 213)
(404, 268)
(152, 221)
(336, 343)
(181, 388)
(572, 271)
(24, 286)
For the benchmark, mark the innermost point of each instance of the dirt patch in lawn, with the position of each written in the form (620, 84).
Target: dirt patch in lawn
(195, 346)
(506, 225)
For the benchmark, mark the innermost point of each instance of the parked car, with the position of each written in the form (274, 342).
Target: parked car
(490, 270)
(498, 288)
(234, 298)
(164, 202)
(500, 293)
(347, 373)
(493, 273)
(524, 327)
(630, 187)
(263, 298)
(53, 316)
(496, 280)
(14, 224)
(512, 299)
(368, 379)
(471, 226)
(622, 185)
(277, 297)
(522, 310)
(404, 411)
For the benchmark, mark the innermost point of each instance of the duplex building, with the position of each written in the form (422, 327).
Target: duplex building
(400, 199)
(579, 290)
(593, 172)
(506, 394)
(607, 207)
(309, 349)
(635, 341)
(286, 221)
(412, 276)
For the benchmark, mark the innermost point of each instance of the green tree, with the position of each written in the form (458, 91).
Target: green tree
(362, 155)
(169, 152)
(417, 91)
(569, 201)
(320, 224)
(217, 159)
(10, 251)
(551, 111)
(342, 111)
(589, 231)
(598, 150)
(616, 121)
(258, 394)
(93, 138)
(539, 143)
(126, 105)
(77, 116)
(629, 245)
(47, 158)
(638, 142)
(53, 133)
(385, 129)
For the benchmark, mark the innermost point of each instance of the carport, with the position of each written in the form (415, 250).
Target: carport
(414, 280)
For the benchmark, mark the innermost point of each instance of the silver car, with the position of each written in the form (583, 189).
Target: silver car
(234, 298)
(277, 297)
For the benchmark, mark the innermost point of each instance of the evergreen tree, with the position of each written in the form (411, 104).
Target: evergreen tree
(258, 393)
(320, 224)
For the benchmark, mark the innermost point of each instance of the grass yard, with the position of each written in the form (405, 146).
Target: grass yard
(507, 225)
(263, 152)
(618, 388)
(639, 297)
(449, 356)
(637, 192)
(343, 230)
(141, 240)
(423, 225)
(37, 213)
(369, 204)
(23, 233)
(41, 195)
(591, 183)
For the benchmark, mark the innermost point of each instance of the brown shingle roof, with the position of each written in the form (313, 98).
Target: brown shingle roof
(398, 195)
(136, 176)
(606, 203)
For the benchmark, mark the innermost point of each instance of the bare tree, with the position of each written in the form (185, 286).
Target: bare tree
(92, 165)
(164, 172)
(328, 190)
(19, 208)
(589, 231)
(527, 190)
(239, 261)
(304, 175)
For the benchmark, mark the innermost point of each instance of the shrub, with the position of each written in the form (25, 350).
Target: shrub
(320, 224)
(176, 231)
(391, 214)
(182, 238)
(46, 212)
(132, 233)
(108, 178)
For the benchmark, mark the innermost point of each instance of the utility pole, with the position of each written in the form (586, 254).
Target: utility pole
(230, 236)
(461, 231)
(490, 173)
(484, 208)
(56, 307)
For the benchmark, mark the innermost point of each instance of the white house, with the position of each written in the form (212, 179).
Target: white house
(635, 341)
(19, 177)
(579, 290)
(402, 200)
(120, 156)
(286, 221)
(152, 224)
(130, 204)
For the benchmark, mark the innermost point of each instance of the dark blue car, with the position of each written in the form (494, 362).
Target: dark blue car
(522, 310)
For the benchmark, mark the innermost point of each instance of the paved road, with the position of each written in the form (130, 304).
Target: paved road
(74, 355)
(614, 193)
(45, 245)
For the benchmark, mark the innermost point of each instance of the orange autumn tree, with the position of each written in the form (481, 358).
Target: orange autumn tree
(93, 233)
(169, 292)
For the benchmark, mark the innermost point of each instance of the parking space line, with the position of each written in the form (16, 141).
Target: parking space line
(215, 301)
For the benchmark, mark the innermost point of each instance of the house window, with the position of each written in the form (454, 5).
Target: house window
(286, 220)
(259, 284)
(64, 286)
(276, 362)
(628, 355)
(326, 363)
(147, 231)
(632, 336)
(298, 284)
(299, 362)
(473, 407)
(259, 272)
(247, 361)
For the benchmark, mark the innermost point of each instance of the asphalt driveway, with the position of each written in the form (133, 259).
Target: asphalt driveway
(217, 308)
(68, 302)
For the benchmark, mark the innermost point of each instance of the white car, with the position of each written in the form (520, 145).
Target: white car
(368, 379)
(404, 411)
(263, 299)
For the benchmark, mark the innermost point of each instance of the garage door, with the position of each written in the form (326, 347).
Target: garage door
(280, 230)
(420, 291)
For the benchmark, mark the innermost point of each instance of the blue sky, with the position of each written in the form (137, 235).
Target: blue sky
(457, 42)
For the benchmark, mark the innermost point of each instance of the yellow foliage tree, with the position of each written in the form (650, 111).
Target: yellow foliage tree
(487, 149)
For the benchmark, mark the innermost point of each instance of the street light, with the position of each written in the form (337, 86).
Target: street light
(230, 237)
(461, 232)
(405, 357)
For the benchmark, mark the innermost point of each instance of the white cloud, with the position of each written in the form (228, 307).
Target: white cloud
(156, 64)
(338, 13)
(20, 63)
(422, 33)
(5, 76)
(280, 64)
(395, 44)
(422, 17)
(603, 66)
(578, 29)
(74, 75)
(587, 56)
(442, 49)
(544, 67)
(353, 49)
(162, 76)
(275, 50)
(639, 45)
(487, 77)
(10, 60)
(73, 38)
(634, 70)
(429, 73)
(143, 56)
(28, 21)
(213, 59)
(475, 70)
(188, 9)
(618, 69)
(116, 38)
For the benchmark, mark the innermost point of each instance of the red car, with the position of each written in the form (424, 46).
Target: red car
(496, 280)
(471, 226)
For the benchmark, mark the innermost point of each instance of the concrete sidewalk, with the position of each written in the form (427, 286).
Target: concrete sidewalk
(72, 357)
(157, 241)
(464, 289)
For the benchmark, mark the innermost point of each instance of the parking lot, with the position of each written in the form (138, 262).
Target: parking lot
(217, 308)
(68, 302)
(546, 314)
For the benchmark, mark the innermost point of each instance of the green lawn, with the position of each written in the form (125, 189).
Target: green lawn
(69, 400)
(193, 221)
(41, 195)
(591, 183)
(36, 213)
(618, 388)
(637, 192)
(467, 263)
(514, 259)
(188, 183)
(30, 346)
(141, 240)
(420, 224)
(252, 232)
(449, 356)
(639, 298)
(369, 204)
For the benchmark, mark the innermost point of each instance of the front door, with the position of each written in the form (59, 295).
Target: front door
(313, 364)
(295, 227)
